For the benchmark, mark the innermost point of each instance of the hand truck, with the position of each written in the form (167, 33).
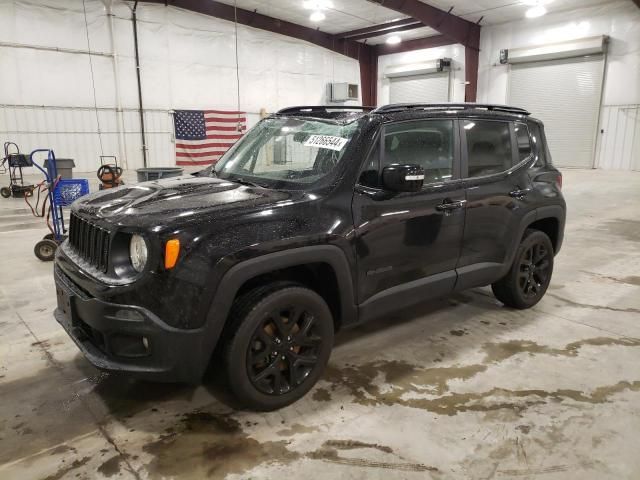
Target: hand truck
(14, 162)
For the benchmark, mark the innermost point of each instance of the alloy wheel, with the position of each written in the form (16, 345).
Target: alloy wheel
(283, 351)
(533, 273)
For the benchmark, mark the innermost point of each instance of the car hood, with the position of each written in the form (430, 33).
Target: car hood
(178, 200)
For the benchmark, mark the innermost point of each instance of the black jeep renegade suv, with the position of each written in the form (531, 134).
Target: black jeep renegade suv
(319, 218)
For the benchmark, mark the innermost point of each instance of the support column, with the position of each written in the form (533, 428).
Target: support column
(471, 58)
(368, 59)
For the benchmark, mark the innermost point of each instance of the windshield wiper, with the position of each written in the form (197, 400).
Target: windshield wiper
(242, 181)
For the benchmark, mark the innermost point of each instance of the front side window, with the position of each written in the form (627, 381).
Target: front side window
(287, 152)
(488, 147)
(426, 143)
(523, 141)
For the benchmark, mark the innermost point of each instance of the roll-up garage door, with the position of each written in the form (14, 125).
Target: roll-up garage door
(565, 95)
(424, 88)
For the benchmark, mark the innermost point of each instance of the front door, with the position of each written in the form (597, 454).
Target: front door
(408, 244)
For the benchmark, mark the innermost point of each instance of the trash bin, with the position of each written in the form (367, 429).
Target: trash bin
(146, 174)
(65, 166)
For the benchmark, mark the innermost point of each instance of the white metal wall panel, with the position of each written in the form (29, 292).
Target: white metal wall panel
(73, 133)
(619, 143)
(426, 88)
(188, 61)
(565, 94)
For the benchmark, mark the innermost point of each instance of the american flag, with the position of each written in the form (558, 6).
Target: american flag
(202, 136)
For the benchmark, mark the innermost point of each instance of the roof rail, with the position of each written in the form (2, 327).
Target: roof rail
(399, 107)
(321, 108)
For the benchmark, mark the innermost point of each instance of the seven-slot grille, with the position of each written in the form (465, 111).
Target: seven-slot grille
(90, 242)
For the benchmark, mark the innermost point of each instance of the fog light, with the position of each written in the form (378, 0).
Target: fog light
(128, 346)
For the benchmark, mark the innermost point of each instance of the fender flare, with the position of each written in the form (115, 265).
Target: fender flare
(236, 276)
(557, 212)
(550, 211)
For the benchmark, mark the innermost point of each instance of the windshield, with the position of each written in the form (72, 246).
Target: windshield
(285, 152)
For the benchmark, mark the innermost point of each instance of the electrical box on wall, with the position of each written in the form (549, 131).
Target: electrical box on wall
(343, 92)
(443, 64)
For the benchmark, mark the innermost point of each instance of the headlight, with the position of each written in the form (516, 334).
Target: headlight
(138, 252)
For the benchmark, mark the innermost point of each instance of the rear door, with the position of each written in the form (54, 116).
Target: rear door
(495, 159)
(405, 241)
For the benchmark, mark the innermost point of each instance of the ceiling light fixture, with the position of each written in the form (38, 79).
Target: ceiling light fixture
(317, 4)
(394, 40)
(535, 12)
(317, 16)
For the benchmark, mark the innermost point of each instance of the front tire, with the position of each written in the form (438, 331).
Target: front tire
(530, 274)
(281, 340)
(5, 192)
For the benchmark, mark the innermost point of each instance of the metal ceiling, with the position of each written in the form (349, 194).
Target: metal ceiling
(346, 15)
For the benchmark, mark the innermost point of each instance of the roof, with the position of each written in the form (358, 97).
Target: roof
(347, 113)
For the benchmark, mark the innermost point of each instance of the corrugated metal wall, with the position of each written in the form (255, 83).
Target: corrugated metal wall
(619, 142)
(72, 132)
(57, 68)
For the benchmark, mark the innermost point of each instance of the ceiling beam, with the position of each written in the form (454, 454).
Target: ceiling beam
(347, 47)
(403, 28)
(451, 26)
(457, 29)
(376, 30)
(416, 44)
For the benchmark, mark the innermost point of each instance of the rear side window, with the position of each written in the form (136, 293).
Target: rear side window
(523, 141)
(427, 143)
(488, 147)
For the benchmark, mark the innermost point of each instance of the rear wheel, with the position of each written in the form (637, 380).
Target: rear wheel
(5, 192)
(45, 250)
(528, 279)
(281, 342)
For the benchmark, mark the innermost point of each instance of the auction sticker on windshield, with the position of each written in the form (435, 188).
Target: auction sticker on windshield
(326, 141)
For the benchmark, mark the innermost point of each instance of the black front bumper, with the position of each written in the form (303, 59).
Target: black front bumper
(128, 338)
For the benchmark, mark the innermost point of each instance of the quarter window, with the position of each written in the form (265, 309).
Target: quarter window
(523, 140)
(536, 137)
(426, 143)
(488, 147)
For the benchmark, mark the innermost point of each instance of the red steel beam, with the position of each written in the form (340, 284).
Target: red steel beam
(416, 44)
(385, 32)
(249, 18)
(457, 29)
(365, 54)
(369, 77)
(381, 29)
(471, 61)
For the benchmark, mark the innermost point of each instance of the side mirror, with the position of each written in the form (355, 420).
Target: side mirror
(403, 178)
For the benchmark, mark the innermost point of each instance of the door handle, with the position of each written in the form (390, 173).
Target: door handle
(448, 206)
(519, 194)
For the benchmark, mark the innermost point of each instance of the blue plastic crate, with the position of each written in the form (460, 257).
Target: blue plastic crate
(69, 190)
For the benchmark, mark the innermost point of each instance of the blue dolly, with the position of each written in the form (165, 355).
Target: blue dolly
(46, 248)
(60, 193)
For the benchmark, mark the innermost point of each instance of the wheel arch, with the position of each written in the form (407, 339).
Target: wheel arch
(550, 220)
(318, 260)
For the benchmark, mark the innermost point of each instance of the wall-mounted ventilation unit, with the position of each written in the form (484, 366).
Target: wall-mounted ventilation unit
(343, 92)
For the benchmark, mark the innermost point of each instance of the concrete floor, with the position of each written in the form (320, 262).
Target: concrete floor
(462, 388)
